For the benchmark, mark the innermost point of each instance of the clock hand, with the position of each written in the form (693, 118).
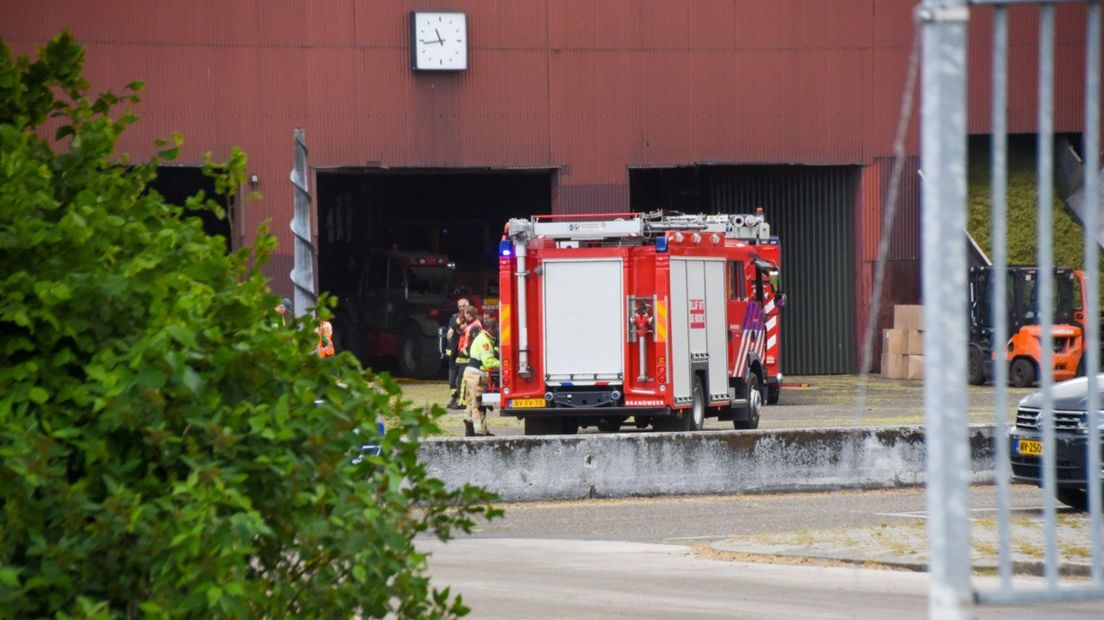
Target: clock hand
(439, 39)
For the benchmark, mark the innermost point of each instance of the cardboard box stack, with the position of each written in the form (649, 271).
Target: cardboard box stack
(903, 346)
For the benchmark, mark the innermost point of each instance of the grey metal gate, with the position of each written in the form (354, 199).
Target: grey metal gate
(943, 142)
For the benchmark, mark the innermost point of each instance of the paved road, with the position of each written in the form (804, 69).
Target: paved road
(657, 558)
(677, 519)
(536, 578)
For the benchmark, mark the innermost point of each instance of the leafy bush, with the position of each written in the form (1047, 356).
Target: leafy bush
(164, 450)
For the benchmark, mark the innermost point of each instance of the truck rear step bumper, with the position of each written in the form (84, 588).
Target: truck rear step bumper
(586, 412)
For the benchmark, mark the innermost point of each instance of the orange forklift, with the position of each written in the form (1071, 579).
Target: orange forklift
(1023, 350)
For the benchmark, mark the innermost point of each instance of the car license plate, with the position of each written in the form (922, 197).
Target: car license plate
(1030, 447)
(519, 403)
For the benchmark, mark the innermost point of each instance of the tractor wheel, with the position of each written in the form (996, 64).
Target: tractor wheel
(754, 406)
(975, 367)
(1022, 373)
(418, 356)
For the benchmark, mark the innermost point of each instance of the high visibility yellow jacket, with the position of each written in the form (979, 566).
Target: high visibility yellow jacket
(482, 352)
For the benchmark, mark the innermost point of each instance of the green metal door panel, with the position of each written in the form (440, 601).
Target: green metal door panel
(810, 209)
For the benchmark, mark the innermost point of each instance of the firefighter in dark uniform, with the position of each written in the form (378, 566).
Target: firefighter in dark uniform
(452, 352)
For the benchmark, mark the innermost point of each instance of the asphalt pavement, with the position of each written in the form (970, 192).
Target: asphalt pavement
(846, 554)
(806, 402)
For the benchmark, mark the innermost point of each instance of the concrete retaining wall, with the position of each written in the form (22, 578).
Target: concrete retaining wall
(644, 464)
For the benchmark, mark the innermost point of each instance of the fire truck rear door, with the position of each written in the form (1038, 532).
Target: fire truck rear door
(716, 329)
(698, 325)
(680, 332)
(583, 321)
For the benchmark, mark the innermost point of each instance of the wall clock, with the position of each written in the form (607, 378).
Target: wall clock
(438, 41)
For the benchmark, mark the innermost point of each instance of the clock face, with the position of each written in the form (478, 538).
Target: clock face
(439, 41)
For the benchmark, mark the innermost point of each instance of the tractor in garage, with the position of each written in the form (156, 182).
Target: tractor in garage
(400, 300)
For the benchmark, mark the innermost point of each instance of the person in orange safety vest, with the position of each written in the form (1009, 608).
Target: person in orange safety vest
(325, 338)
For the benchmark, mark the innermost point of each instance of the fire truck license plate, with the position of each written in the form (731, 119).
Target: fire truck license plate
(1029, 447)
(519, 403)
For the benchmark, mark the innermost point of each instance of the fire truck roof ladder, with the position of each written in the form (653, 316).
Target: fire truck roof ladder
(597, 227)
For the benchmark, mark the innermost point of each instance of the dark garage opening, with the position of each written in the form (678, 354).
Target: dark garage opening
(810, 209)
(455, 214)
(179, 183)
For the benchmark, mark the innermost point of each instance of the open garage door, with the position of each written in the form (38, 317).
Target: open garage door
(397, 247)
(810, 208)
(179, 183)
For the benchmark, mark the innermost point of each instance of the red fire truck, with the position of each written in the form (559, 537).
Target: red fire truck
(664, 318)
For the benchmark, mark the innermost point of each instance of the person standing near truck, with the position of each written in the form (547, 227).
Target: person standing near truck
(471, 329)
(452, 351)
(481, 358)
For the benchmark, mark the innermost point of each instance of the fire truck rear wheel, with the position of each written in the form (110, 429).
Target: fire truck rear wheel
(695, 417)
(754, 406)
(691, 419)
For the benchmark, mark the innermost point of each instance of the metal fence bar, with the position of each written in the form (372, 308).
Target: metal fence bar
(1052, 591)
(943, 148)
(1091, 303)
(1045, 161)
(999, 177)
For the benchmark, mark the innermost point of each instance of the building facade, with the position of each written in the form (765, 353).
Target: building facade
(565, 106)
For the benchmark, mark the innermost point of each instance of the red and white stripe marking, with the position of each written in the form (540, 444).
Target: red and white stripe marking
(772, 328)
(758, 340)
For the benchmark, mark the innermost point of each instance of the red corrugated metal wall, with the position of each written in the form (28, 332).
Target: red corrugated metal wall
(902, 271)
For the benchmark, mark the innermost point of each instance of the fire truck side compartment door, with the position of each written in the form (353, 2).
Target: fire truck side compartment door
(716, 327)
(584, 320)
(695, 292)
(680, 331)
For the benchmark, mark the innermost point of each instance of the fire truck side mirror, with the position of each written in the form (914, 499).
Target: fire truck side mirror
(775, 279)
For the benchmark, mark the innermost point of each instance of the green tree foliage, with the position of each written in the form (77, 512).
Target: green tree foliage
(165, 451)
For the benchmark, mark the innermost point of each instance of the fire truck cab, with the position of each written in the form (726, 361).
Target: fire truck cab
(662, 318)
